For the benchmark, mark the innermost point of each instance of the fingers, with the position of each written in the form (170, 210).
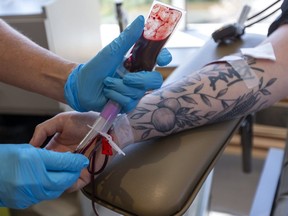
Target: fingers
(56, 161)
(114, 52)
(128, 37)
(84, 179)
(62, 169)
(117, 97)
(37, 174)
(164, 57)
(135, 83)
(127, 103)
(125, 95)
(129, 90)
(77, 185)
(44, 130)
(59, 181)
(143, 79)
(118, 85)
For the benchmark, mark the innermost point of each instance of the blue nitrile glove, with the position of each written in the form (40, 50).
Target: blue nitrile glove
(84, 89)
(132, 87)
(29, 175)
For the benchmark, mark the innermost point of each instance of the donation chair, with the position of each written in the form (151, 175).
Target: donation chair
(163, 176)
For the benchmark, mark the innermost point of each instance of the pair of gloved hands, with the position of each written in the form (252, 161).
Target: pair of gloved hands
(29, 175)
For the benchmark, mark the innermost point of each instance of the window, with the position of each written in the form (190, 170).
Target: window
(202, 17)
(133, 8)
(198, 11)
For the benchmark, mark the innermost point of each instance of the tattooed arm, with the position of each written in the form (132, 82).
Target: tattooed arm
(215, 93)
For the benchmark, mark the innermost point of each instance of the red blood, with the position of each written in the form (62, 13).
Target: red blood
(158, 28)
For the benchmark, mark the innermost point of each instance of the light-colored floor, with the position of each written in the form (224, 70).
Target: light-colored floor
(66, 205)
(232, 189)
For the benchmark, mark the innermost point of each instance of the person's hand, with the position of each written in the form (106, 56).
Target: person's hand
(29, 175)
(90, 85)
(67, 129)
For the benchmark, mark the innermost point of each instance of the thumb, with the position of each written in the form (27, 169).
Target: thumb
(121, 45)
(116, 50)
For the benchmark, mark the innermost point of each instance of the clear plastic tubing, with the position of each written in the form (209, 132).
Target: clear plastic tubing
(160, 24)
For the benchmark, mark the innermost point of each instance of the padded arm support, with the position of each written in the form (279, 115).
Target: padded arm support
(163, 176)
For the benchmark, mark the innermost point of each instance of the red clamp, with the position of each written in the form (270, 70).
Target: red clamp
(106, 147)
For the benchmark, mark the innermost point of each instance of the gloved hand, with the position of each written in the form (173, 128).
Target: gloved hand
(90, 85)
(29, 175)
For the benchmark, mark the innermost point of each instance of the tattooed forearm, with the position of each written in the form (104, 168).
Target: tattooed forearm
(216, 93)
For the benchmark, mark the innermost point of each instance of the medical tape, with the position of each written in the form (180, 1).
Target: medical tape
(110, 141)
(240, 65)
(123, 130)
(263, 51)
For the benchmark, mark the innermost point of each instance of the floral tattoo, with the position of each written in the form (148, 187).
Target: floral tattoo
(180, 110)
